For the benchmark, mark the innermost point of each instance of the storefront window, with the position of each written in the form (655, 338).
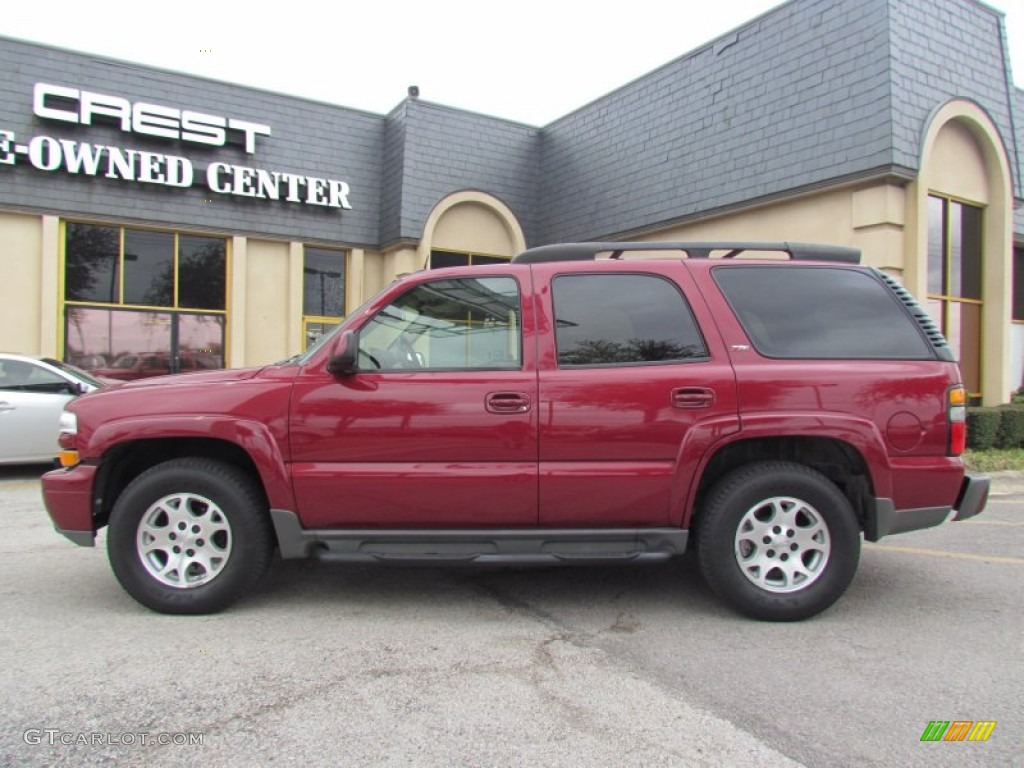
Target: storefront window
(140, 303)
(1018, 284)
(149, 268)
(442, 259)
(323, 291)
(92, 266)
(954, 282)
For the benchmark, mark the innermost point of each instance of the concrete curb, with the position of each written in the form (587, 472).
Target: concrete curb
(1007, 482)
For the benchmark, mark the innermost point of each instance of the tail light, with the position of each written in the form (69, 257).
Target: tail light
(956, 410)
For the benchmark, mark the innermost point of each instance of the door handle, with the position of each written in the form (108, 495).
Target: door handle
(507, 402)
(5, 406)
(693, 397)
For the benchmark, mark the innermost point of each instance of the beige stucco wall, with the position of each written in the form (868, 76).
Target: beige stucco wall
(475, 228)
(959, 165)
(267, 302)
(963, 156)
(21, 289)
(469, 221)
(870, 217)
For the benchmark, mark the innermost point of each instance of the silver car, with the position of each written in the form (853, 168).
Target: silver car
(33, 391)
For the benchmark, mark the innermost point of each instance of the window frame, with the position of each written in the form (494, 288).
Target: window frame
(175, 311)
(744, 318)
(946, 301)
(1017, 291)
(705, 357)
(312, 319)
(495, 258)
(517, 365)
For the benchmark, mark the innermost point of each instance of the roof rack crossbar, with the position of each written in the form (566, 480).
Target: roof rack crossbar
(694, 250)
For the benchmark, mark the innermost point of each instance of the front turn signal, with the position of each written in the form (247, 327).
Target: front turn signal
(68, 459)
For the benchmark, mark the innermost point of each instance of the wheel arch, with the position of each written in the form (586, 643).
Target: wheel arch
(124, 461)
(839, 461)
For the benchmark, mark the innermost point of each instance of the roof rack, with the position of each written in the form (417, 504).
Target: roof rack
(588, 251)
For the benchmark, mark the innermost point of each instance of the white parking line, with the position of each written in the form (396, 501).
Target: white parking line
(954, 555)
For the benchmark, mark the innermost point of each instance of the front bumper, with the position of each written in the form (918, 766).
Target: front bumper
(67, 494)
(885, 519)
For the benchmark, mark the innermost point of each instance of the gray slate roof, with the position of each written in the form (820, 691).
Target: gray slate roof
(809, 94)
(812, 92)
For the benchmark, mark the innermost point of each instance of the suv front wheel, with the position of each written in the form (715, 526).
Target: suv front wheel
(189, 536)
(778, 541)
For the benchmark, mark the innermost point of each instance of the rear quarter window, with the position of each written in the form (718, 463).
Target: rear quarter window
(821, 312)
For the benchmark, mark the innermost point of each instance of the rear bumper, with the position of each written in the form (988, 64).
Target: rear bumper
(885, 519)
(67, 494)
(973, 496)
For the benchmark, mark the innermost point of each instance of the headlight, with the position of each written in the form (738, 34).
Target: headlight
(69, 423)
(68, 439)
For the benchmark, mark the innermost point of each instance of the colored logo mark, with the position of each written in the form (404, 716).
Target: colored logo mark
(958, 730)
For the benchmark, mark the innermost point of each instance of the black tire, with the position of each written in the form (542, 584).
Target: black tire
(203, 515)
(778, 541)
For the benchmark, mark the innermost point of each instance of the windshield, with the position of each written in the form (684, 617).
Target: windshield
(303, 358)
(78, 373)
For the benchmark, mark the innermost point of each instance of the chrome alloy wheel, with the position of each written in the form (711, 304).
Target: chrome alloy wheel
(782, 544)
(184, 540)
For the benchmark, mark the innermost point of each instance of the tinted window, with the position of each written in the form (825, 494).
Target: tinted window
(92, 259)
(816, 312)
(614, 319)
(468, 323)
(148, 268)
(323, 283)
(1018, 283)
(202, 267)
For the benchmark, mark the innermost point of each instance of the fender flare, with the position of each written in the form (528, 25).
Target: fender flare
(705, 441)
(252, 437)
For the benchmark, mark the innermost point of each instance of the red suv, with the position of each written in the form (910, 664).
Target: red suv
(562, 408)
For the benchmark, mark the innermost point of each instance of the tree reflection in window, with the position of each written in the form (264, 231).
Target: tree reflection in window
(623, 319)
(603, 351)
(92, 257)
(202, 266)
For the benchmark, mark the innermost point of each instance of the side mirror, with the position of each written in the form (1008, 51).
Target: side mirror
(344, 356)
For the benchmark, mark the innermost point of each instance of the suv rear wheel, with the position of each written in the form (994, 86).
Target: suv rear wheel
(778, 541)
(189, 536)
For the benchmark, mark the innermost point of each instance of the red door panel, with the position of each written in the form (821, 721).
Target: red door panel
(420, 442)
(612, 434)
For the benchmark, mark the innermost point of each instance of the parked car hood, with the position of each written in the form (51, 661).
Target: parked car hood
(199, 377)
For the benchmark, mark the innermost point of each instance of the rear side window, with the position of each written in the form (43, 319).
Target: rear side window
(821, 312)
(621, 319)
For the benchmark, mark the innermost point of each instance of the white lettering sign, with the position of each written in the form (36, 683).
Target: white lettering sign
(46, 153)
(71, 105)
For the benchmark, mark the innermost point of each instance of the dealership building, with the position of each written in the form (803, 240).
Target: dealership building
(152, 218)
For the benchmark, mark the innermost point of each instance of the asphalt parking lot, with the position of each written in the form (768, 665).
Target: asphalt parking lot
(339, 665)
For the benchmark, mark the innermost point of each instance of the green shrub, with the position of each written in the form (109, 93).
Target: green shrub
(983, 428)
(1011, 427)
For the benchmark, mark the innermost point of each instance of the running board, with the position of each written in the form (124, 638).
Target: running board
(480, 546)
